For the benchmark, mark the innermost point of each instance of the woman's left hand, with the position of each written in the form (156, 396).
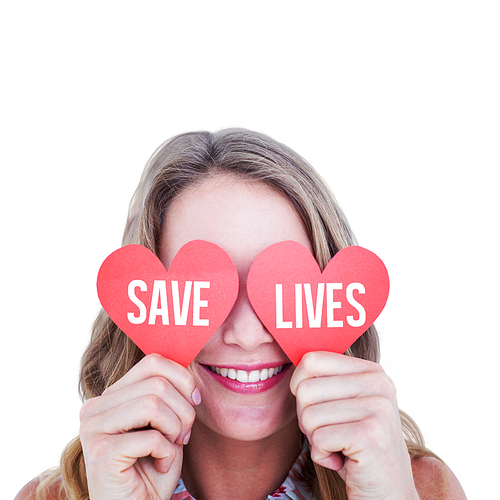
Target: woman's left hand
(347, 408)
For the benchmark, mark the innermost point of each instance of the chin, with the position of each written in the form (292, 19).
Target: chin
(245, 422)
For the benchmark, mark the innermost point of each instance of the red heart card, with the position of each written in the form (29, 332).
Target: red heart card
(307, 310)
(174, 312)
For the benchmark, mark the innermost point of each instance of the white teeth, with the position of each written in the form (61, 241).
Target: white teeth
(247, 377)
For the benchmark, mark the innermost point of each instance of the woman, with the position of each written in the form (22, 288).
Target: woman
(329, 428)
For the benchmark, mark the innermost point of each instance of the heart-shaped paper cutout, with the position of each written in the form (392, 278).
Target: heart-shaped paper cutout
(284, 285)
(174, 312)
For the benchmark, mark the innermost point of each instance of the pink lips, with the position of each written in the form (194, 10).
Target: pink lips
(249, 387)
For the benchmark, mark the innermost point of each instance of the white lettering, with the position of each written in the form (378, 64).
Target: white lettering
(137, 320)
(180, 315)
(361, 310)
(280, 323)
(331, 322)
(298, 305)
(314, 309)
(159, 306)
(314, 315)
(198, 303)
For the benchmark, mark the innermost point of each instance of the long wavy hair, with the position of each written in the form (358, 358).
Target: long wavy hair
(186, 160)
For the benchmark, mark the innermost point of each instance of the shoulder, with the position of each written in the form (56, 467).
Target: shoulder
(434, 480)
(53, 490)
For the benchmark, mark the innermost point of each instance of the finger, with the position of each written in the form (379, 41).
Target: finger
(153, 387)
(333, 439)
(321, 364)
(313, 391)
(129, 447)
(155, 365)
(335, 461)
(139, 413)
(149, 443)
(156, 386)
(364, 441)
(344, 411)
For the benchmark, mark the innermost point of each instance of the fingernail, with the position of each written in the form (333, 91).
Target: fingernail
(196, 396)
(186, 438)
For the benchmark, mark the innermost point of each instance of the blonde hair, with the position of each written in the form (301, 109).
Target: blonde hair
(187, 160)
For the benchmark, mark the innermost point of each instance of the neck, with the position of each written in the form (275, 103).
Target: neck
(216, 466)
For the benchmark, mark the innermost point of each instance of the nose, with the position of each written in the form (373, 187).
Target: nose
(243, 327)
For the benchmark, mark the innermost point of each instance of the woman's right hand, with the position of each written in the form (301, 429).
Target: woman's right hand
(132, 435)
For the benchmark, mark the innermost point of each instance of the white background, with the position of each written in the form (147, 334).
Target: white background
(397, 105)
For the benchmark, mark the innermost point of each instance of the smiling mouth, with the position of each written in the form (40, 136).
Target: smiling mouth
(247, 377)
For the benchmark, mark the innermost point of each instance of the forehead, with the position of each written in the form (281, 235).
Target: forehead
(240, 216)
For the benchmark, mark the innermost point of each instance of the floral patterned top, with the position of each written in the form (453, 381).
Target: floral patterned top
(294, 487)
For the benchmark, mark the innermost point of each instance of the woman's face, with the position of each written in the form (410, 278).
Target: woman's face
(243, 218)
